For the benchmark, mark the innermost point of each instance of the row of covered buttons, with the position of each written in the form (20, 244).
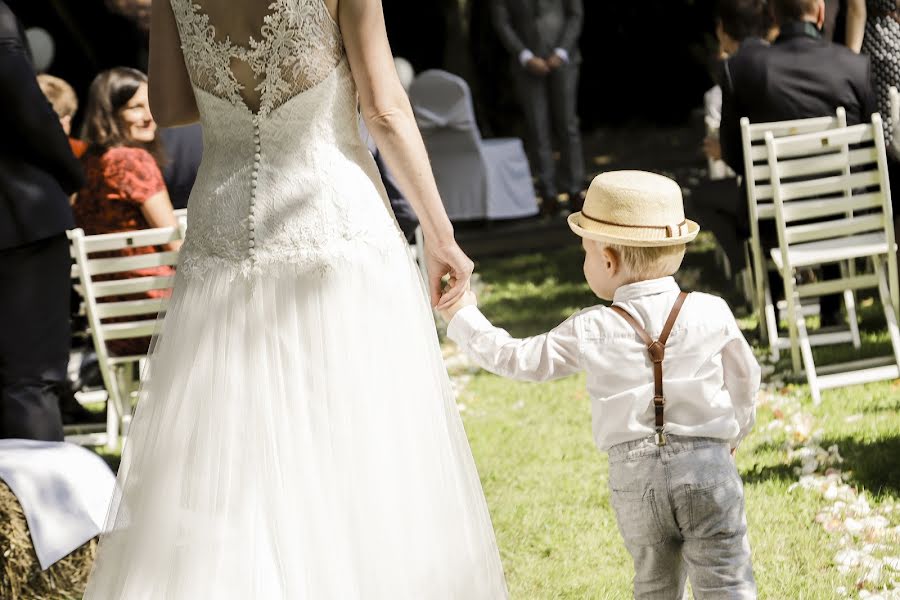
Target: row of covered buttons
(254, 178)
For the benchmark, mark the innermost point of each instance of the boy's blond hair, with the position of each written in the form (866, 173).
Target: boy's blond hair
(60, 94)
(650, 262)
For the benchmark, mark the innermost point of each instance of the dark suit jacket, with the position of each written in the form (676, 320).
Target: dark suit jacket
(799, 76)
(38, 171)
(539, 25)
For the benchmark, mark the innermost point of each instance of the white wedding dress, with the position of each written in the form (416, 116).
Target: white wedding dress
(296, 437)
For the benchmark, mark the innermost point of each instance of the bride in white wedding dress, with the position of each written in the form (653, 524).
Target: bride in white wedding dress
(296, 437)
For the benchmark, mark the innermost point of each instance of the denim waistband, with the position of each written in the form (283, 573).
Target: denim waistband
(647, 446)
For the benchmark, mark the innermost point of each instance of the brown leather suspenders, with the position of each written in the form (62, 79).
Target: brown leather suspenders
(657, 350)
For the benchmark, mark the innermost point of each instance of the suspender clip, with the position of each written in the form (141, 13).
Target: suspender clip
(660, 437)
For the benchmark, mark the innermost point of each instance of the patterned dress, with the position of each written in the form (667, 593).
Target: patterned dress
(882, 44)
(119, 181)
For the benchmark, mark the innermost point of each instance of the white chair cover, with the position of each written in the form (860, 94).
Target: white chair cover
(477, 179)
(64, 491)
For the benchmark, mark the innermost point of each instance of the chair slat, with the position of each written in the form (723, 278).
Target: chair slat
(828, 185)
(794, 127)
(821, 288)
(131, 329)
(820, 164)
(136, 285)
(131, 239)
(786, 147)
(119, 264)
(810, 209)
(764, 193)
(810, 232)
(131, 308)
(759, 153)
(765, 210)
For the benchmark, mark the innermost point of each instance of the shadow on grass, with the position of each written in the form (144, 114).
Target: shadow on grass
(873, 464)
(762, 474)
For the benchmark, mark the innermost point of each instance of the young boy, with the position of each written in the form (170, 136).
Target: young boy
(672, 381)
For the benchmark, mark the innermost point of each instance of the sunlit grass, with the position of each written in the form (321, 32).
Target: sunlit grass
(546, 482)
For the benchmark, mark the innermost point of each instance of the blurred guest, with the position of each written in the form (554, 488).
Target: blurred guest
(801, 75)
(125, 190)
(881, 43)
(65, 104)
(714, 204)
(877, 34)
(37, 173)
(183, 148)
(542, 38)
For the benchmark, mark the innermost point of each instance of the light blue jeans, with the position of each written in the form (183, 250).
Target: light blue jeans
(680, 509)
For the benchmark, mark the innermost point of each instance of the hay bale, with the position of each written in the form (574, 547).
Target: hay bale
(21, 577)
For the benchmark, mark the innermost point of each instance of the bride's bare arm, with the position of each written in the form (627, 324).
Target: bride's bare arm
(389, 117)
(171, 95)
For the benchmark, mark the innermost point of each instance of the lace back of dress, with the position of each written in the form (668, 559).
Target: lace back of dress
(254, 55)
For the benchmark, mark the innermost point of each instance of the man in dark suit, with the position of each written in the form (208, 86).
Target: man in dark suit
(542, 37)
(801, 75)
(38, 172)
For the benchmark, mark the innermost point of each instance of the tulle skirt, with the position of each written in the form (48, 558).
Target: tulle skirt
(296, 438)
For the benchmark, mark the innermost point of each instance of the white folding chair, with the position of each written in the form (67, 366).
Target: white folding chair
(760, 207)
(135, 318)
(833, 205)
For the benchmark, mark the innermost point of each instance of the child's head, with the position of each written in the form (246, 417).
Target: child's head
(633, 229)
(610, 266)
(62, 97)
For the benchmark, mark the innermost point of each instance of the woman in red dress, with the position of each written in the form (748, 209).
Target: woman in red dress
(125, 189)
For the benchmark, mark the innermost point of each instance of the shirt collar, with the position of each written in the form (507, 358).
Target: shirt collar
(795, 29)
(648, 287)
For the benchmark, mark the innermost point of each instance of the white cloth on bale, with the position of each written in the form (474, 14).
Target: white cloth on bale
(64, 491)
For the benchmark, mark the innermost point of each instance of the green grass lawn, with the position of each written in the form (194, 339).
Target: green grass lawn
(546, 482)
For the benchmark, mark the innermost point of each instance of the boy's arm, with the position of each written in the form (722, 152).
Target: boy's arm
(742, 379)
(540, 358)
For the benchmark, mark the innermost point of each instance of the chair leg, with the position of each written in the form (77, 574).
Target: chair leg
(127, 387)
(763, 297)
(888, 308)
(849, 270)
(809, 364)
(113, 417)
(769, 324)
(894, 284)
(795, 317)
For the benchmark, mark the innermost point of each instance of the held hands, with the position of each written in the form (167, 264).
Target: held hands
(554, 61)
(539, 66)
(467, 299)
(447, 259)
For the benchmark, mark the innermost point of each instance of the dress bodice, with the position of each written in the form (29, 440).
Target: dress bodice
(285, 177)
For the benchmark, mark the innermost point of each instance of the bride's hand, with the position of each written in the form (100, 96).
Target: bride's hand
(447, 259)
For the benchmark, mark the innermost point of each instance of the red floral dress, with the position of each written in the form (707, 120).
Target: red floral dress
(119, 181)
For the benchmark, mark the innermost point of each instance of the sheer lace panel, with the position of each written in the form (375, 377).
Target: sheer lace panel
(296, 47)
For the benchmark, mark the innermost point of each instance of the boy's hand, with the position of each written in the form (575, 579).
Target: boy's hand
(468, 299)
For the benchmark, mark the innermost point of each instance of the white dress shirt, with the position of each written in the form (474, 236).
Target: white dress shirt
(710, 375)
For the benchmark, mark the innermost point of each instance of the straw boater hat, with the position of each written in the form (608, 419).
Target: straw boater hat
(634, 208)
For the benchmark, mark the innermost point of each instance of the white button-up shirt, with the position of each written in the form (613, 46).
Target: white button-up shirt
(710, 375)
